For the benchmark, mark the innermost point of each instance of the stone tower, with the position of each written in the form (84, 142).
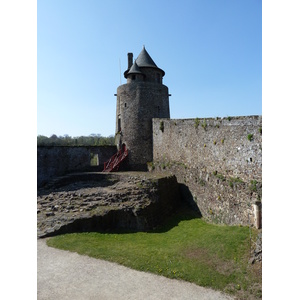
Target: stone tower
(141, 99)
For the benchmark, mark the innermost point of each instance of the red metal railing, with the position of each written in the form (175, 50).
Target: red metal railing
(113, 164)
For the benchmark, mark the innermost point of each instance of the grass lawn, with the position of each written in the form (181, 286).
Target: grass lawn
(185, 248)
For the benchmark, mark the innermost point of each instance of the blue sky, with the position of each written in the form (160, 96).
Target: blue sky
(211, 51)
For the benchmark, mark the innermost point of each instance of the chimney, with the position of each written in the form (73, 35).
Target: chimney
(130, 60)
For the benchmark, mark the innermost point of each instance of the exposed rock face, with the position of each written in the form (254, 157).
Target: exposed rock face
(98, 202)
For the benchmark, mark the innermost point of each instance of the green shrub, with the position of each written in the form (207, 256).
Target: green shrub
(197, 122)
(150, 166)
(233, 180)
(250, 137)
(253, 187)
(220, 176)
(202, 182)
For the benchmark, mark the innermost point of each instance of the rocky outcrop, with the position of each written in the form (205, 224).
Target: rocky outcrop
(132, 201)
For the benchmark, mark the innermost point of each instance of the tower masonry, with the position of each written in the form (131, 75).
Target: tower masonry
(141, 99)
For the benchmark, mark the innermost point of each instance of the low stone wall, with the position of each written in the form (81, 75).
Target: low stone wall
(219, 160)
(59, 160)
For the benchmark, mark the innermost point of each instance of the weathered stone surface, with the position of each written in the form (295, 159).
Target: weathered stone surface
(257, 250)
(122, 201)
(219, 160)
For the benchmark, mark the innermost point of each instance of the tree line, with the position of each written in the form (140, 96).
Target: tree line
(66, 140)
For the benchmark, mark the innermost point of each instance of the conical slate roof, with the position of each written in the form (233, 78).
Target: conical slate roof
(134, 69)
(145, 60)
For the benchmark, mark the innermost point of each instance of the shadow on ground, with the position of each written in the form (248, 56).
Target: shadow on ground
(107, 223)
(188, 198)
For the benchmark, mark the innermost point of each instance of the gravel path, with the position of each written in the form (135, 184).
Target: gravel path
(65, 275)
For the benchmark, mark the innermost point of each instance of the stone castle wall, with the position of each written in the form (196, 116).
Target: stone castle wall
(59, 160)
(219, 160)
